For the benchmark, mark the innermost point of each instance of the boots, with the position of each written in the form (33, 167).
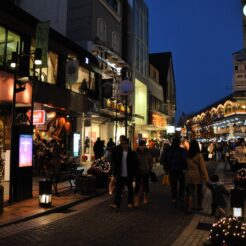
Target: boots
(136, 201)
(189, 205)
(146, 199)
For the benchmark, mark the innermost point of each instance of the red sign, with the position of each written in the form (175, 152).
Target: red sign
(38, 117)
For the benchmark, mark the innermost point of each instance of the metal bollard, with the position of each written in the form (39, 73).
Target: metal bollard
(237, 202)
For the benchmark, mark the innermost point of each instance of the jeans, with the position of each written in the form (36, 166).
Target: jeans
(177, 182)
(120, 183)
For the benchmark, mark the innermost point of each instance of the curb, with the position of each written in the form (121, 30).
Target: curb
(53, 210)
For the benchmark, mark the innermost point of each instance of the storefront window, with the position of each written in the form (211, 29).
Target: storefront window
(46, 74)
(8, 44)
(49, 74)
(12, 41)
(83, 75)
(92, 84)
(2, 44)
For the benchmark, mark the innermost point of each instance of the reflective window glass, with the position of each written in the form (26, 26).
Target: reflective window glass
(2, 44)
(12, 41)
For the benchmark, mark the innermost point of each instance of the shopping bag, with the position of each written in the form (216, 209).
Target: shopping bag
(153, 177)
(165, 180)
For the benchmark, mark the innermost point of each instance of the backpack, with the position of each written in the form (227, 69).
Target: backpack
(176, 160)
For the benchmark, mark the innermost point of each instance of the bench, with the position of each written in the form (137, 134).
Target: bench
(65, 174)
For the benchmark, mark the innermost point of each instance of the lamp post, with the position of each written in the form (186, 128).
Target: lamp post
(21, 158)
(125, 89)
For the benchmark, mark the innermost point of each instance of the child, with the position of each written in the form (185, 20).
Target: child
(218, 191)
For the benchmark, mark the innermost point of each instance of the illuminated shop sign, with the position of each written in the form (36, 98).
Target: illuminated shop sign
(38, 117)
(25, 150)
(158, 120)
(170, 129)
(111, 104)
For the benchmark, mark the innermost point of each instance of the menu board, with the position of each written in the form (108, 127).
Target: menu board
(25, 150)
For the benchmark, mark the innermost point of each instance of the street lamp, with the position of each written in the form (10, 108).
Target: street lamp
(20, 186)
(244, 10)
(125, 89)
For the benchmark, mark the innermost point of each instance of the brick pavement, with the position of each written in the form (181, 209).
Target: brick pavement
(192, 236)
(169, 224)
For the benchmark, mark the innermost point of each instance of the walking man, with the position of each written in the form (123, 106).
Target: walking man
(124, 167)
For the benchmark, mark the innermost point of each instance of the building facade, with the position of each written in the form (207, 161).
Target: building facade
(97, 26)
(135, 52)
(164, 63)
(54, 91)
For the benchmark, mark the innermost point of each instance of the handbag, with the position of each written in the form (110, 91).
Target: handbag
(153, 176)
(165, 180)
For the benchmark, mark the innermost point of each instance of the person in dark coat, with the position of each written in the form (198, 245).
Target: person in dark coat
(175, 165)
(145, 165)
(98, 149)
(124, 169)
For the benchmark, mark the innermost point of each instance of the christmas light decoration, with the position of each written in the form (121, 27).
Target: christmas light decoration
(228, 231)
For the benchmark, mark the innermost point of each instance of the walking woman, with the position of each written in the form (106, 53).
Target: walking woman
(142, 181)
(196, 174)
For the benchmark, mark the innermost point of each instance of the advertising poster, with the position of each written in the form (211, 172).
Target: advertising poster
(76, 139)
(25, 150)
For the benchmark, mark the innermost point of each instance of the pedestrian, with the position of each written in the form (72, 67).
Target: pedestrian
(175, 164)
(110, 143)
(145, 160)
(110, 146)
(196, 174)
(98, 148)
(240, 154)
(211, 149)
(124, 169)
(86, 145)
(164, 149)
(218, 191)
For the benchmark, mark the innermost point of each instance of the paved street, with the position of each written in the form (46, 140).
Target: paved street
(94, 223)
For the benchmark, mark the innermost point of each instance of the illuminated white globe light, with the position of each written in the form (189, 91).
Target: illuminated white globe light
(244, 10)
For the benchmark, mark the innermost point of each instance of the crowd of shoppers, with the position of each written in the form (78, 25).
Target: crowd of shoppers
(183, 161)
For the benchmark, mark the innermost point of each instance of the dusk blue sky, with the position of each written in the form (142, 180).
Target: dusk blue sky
(202, 36)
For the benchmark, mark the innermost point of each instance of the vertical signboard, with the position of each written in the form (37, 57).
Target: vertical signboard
(76, 140)
(25, 150)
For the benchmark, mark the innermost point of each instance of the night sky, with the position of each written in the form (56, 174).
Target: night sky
(202, 35)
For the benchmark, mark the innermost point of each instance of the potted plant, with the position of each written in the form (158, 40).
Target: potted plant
(101, 169)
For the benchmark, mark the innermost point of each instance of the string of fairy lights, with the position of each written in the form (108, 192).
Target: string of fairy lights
(228, 231)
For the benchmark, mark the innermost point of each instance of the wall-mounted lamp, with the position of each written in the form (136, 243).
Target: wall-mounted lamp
(37, 58)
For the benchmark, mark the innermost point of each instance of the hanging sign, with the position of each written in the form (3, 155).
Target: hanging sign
(125, 87)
